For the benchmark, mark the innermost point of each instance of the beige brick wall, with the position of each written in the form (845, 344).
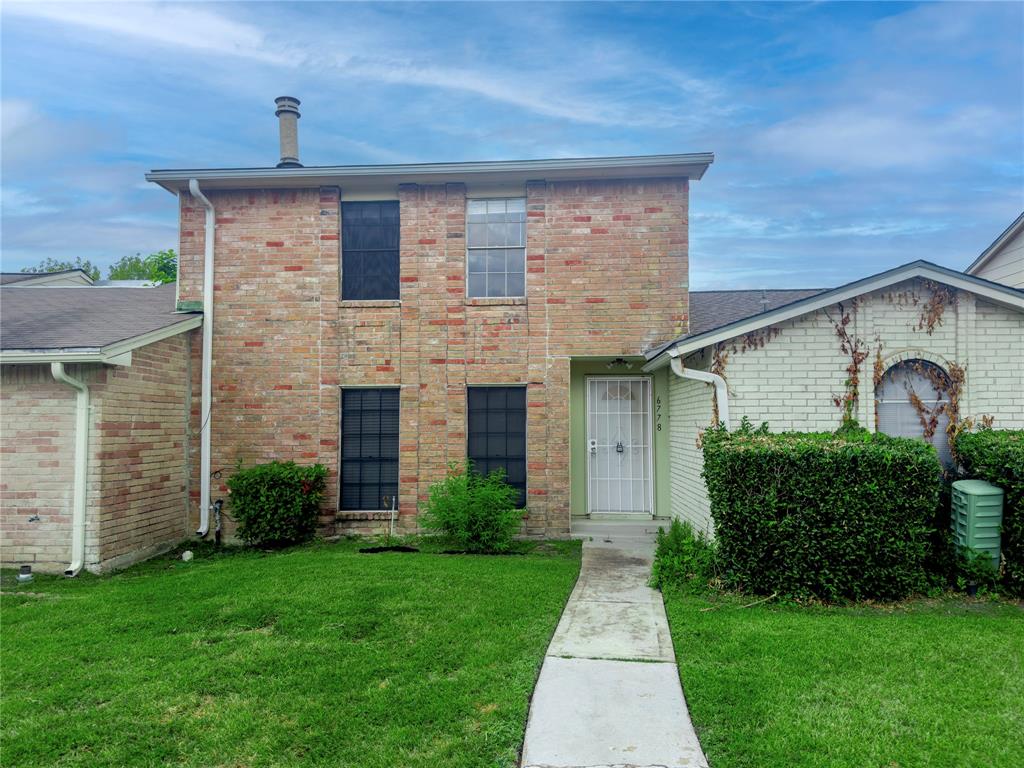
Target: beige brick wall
(607, 273)
(791, 380)
(136, 504)
(37, 427)
(139, 433)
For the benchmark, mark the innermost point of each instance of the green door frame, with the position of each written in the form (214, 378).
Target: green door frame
(579, 370)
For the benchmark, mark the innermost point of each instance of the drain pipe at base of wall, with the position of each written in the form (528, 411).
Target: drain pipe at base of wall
(721, 389)
(81, 466)
(209, 235)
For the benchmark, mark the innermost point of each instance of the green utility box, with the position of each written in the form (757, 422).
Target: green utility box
(977, 516)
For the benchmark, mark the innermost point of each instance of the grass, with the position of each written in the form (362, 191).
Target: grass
(314, 656)
(924, 683)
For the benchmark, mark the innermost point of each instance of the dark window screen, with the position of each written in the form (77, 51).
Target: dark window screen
(369, 250)
(497, 433)
(369, 448)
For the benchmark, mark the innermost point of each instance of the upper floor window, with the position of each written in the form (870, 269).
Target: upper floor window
(496, 247)
(369, 250)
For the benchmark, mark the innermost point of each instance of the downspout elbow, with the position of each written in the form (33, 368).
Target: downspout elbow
(721, 388)
(79, 493)
(209, 237)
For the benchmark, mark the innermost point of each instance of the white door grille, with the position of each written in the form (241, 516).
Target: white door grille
(619, 446)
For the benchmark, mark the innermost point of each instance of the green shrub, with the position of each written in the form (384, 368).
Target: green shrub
(478, 513)
(832, 516)
(277, 503)
(998, 457)
(941, 563)
(683, 559)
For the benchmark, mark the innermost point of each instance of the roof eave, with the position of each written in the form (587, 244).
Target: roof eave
(996, 292)
(997, 245)
(692, 166)
(116, 353)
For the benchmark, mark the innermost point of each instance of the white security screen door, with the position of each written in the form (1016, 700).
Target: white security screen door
(619, 446)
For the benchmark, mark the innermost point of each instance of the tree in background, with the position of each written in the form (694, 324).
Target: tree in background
(159, 267)
(52, 265)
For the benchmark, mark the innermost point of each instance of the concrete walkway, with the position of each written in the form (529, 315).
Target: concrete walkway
(609, 693)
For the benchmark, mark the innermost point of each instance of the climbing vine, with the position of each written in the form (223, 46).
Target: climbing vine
(854, 348)
(719, 359)
(941, 297)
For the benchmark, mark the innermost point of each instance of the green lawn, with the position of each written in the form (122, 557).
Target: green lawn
(929, 683)
(315, 656)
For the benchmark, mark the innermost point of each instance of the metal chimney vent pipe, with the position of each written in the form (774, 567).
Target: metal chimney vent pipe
(288, 119)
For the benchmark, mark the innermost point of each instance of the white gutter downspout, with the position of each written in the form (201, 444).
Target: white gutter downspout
(81, 466)
(721, 389)
(209, 235)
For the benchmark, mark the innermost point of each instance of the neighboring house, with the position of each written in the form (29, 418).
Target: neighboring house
(64, 277)
(901, 351)
(1003, 261)
(387, 320)
(116, 361)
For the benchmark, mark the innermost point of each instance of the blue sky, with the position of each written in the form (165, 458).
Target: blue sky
(849, 137)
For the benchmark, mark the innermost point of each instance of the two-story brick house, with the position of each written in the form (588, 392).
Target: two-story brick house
(387, 320)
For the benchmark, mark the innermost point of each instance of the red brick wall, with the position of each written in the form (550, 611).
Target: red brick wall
(607, 273)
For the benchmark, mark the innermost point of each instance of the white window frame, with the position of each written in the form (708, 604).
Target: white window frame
(470, 200)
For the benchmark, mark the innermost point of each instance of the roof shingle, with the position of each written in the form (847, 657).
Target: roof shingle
(82, 317)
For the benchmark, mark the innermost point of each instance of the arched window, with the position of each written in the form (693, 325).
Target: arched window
(913, 401)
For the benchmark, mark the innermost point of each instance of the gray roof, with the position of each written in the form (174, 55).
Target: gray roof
(713, 309)
(1004, 294)
(82, 317)
(10, 278)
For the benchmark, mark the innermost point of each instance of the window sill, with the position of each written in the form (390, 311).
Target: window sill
(368, 514)
(369, 303)
(497, 301)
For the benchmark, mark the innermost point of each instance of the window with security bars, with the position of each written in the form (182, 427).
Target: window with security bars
(369, 448)
(496, 247)
(369, 250)
(497, 433)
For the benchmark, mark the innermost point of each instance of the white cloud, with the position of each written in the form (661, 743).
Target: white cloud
(177, 26)
(866, 139)
(19, 202)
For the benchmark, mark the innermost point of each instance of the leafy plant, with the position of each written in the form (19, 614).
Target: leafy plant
(683, 559)
(158, 267)
(277, 503)
(477, 512)
(836, 516)
(976, 569)
(54, 265)
(997, 455)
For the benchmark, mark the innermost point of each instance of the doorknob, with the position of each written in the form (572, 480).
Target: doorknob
(618, 447)
(593, 446)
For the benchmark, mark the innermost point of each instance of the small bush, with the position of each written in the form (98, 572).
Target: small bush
(277, 503)
(683, 559)
(477, 512)
(998, 457)
(825, 515)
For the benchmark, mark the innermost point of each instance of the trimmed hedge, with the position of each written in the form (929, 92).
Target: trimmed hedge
(998, 457)
(278, 503)
(824, 515)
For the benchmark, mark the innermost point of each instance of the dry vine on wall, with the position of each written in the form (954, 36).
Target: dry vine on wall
(721, 352)
(853, 347)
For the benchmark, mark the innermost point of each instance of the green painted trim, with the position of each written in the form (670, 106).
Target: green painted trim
(578, 372)
(189, 306)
